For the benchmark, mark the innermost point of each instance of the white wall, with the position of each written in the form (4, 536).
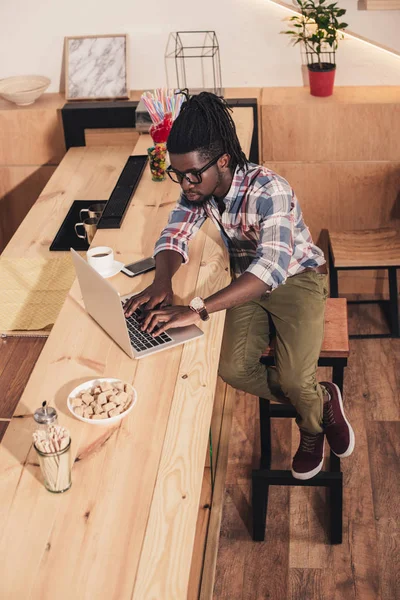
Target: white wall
(381, 26)
(253, 53)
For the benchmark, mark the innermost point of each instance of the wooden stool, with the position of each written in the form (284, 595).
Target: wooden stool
(372, 249)
(334, 353)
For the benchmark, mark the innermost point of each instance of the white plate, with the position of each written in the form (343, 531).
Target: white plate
(88, 385)
(117, 266)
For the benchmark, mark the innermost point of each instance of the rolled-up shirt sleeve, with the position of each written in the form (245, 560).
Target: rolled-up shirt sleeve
(184, 222)
(275, 246)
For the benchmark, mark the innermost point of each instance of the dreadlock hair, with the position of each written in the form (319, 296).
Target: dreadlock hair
(205, 125)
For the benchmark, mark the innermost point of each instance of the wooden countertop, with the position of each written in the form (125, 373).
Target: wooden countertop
(126, 527)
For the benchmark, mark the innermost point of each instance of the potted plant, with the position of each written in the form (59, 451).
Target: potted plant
(317, 26)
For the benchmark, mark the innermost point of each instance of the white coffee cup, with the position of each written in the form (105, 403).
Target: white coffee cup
(101, 258)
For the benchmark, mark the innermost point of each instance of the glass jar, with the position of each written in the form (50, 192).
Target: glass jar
(56, 469)
(157, 160)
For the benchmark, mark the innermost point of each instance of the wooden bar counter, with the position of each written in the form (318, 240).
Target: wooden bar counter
(126, 528)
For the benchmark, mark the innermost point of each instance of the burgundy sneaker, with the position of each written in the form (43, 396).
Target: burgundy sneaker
(338, 430)
(309, 457)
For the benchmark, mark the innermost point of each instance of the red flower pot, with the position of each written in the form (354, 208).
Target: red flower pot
(321, 80)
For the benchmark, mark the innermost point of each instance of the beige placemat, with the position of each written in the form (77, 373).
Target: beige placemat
(32, 292)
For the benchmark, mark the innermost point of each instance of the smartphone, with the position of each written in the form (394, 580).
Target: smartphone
(141, 266)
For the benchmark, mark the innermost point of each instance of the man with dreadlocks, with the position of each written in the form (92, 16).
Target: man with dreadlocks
(277, 273)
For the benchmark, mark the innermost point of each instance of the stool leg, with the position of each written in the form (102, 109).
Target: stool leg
(338, 374)
(334, 463)
(393, 302)
(333, 278)
(336, 511)
(265, 434)
(337, 377)
(260, 505)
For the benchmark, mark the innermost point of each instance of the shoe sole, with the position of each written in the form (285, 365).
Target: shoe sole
(352, 440)
(309, 474)
(314, 472)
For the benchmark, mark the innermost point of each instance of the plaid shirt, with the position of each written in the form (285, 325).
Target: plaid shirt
(262, 227)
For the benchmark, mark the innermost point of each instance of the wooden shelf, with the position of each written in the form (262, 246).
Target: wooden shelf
(378, 4)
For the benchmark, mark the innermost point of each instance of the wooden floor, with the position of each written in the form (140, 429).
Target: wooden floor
(17, 359)
(296, 562)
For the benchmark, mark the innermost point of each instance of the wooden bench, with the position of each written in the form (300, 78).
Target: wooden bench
(371, 249)
(334, 353)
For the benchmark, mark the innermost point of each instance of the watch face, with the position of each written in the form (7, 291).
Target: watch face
(197, 303)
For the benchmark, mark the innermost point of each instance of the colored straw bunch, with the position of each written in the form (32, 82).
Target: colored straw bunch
(161, 102)
(163, 106)
(52, 446)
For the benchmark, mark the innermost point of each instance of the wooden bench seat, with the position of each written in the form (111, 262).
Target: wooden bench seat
(368, 249)
(372, 248)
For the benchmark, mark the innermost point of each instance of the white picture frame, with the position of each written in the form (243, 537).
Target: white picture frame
(96, 67)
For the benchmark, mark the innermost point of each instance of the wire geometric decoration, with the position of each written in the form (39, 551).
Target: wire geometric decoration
(205, 73)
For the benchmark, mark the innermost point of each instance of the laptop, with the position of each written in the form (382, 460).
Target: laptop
(105, 306)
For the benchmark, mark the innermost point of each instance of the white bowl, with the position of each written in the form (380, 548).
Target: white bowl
(88, 385)
(23, 89)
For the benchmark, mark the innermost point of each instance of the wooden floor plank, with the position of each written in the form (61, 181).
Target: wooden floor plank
(272, 554)
(310, 584)
(309, 519)
(243, 567)
(17, 372)
(3, 428)
(366, 318)
(221, 465)
(384, 455)
(7, 347)
(201, 537)
(355, 561)
(381, 378)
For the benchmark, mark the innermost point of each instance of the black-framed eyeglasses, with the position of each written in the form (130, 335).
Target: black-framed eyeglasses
(191, 176)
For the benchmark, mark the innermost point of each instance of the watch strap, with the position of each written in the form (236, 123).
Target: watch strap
(203, 314)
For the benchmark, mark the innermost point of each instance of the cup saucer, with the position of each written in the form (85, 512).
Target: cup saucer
(117, 266)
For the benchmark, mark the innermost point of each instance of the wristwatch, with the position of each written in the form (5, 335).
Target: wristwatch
(198, 306)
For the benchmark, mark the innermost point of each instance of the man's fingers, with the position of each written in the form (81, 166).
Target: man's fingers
(152, 323)
(134, 303)
(167, 301)
(152, 304)
(147, 320)
(163, 327)
(156, 320)
(159, 331)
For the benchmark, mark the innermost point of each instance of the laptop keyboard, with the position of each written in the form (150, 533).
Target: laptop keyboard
(141, 340)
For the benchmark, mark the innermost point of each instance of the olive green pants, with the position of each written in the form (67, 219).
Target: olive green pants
(297, 312)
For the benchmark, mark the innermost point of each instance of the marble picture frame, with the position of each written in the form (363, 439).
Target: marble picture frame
(96, 67)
